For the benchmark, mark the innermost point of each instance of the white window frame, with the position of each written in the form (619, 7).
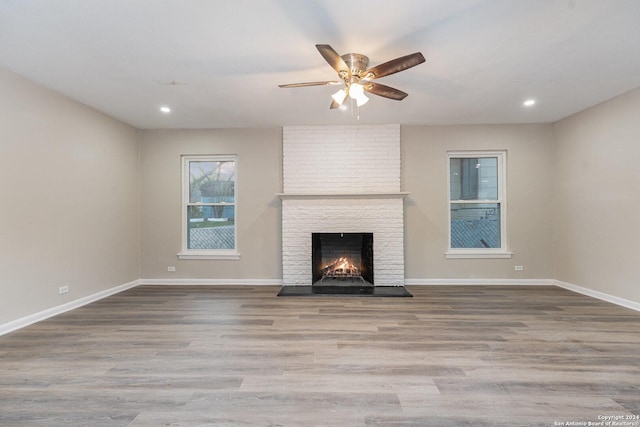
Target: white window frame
(185, 253)
(501, 252)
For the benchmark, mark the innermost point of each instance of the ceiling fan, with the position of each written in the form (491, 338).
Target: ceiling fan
(356, 78)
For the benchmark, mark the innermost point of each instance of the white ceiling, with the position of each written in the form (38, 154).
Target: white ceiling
(484, 57)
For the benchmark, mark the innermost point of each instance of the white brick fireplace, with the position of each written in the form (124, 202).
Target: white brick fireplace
(342, 179)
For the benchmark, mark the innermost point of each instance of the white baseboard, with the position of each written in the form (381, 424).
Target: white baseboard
(212, 282)
(54, 311)
(479, 282)
(599, 295)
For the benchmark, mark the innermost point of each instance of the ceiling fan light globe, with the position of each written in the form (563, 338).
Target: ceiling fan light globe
(361, 100)
(339, 96)
(356, 90)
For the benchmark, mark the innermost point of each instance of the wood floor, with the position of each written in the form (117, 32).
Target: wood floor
(229, 356)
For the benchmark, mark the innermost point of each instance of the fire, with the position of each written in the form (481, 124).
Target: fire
(341, 267)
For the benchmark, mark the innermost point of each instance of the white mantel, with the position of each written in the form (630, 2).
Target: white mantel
(285, 196)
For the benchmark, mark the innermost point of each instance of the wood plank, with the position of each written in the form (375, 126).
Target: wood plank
(239, 355)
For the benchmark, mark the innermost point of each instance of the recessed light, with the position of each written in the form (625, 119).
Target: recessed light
(529, 102)
(165, 110)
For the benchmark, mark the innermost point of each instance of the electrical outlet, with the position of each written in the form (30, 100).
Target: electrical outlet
(171, 268)
(519, 268)
(63, 290)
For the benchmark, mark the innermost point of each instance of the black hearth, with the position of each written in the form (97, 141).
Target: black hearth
(342, 259)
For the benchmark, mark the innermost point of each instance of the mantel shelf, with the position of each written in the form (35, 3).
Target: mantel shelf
(398, 195)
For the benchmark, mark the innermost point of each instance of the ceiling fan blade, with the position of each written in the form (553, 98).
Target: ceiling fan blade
(333, 58)
(385, 91)
(394, 66)
(327, 83)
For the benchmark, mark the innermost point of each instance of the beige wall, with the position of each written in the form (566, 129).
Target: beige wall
(258, 208)
(69, 194)
(424, 151)
(529, 160)
(597, 198)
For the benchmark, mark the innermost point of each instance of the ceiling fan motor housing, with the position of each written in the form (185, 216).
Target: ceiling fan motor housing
(356, 62)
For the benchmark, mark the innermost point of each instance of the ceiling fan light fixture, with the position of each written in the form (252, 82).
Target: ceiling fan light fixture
(361, 100)
(356, 91)
(339, 96)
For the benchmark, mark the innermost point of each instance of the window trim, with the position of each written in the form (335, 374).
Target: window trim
(501, 200)
(194, 254)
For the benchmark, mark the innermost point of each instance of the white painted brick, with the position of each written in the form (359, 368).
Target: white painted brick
(342, 159)
(325, 159)
(303, 217)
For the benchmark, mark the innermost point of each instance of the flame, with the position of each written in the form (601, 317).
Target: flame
(341, 267)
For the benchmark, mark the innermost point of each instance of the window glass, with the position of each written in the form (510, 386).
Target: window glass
(473, 178)
(475, 225)
(211, 182)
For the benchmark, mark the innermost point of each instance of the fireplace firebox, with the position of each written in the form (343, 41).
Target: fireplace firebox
(342, 259)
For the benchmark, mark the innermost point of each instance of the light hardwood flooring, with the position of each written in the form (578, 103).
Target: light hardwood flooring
(228, 356)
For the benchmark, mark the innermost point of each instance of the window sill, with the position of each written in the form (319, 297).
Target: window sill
(209, 255)
(477, 255)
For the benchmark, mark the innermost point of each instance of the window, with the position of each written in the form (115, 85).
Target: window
(477, 205)
(209, 207)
